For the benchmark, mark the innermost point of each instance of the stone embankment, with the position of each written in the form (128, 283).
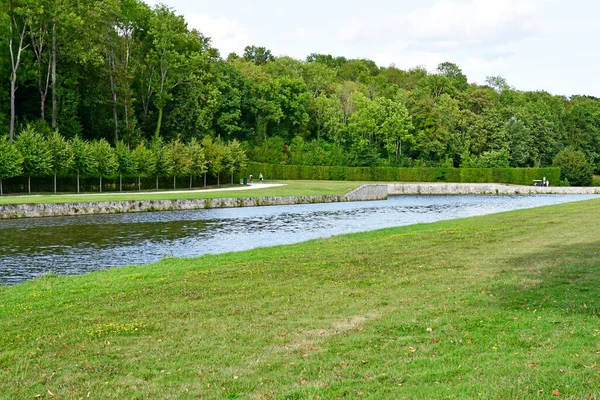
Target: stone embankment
(483, 188)
(363, 193)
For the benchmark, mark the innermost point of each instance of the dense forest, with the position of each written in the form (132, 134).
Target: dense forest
(121, 72)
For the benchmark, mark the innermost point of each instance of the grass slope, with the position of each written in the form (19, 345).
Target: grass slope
(291, 188)
(502, 306)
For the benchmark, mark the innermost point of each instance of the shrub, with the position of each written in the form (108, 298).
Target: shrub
(574, 167)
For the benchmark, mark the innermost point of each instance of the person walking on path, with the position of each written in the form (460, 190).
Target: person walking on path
(260, 177)
(250, 178)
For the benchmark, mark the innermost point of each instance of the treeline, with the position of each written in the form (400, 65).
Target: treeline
(32, 154)
(121, 71)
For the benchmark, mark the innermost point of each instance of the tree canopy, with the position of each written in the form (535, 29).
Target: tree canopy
(128, 73)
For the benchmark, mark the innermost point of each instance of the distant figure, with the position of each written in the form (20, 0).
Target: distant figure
(260, 177)
(250, 178)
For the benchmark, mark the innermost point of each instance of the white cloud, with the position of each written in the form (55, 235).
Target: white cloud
(477, 23)
(227, 35)
(451, 24)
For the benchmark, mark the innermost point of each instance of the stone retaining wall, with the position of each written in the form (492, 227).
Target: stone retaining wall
(363, 193)
(483, 188)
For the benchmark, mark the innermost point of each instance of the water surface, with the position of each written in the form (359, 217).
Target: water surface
(76, 245)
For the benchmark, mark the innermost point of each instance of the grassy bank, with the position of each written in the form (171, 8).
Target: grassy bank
(291, 188)
(502, 306)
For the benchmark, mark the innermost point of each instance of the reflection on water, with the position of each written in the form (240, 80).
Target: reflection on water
(75, 245)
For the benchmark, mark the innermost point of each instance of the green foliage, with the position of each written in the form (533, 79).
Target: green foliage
(574, 167)
(10, 161)
(83, 162)
(161, 166)
(126, 162)
(178, 158)
(234, 158)
(127, 71)
(62, 154)
(198, 163)
(104, 159)
(37, 157)
(144, 160)
(520, 176)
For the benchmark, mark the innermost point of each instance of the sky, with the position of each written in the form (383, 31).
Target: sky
(549, 45)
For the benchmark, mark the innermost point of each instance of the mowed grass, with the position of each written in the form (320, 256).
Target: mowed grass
(505, 306)
(291, 188)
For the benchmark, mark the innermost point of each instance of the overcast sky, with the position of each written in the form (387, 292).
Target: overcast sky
(547, 45)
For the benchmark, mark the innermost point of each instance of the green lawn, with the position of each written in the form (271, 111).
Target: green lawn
(504, 306)
(291, 188)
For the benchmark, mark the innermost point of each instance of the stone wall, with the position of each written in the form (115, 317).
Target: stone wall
(483, 188)
(363, 193)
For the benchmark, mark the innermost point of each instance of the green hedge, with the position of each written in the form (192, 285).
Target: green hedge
(519, 176)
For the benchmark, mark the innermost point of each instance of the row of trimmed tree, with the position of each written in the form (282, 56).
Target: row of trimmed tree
(34, 154)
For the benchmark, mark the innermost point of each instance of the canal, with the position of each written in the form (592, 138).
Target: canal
(76, 245)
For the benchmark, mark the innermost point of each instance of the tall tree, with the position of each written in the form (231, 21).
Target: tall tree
(37, 158)
(197, 165)
(234, 158)
(126, 162)
(83, 162)
(178, 159)
(104, 159)
(258, 55)
(61, 154)
(144, 161)
(161, 165)
(10, 161)
(18, 15)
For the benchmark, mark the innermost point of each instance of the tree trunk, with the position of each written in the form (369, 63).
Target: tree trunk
(160, 115)
(218, 179)
(55, 183)
(54, 106)
(205, 179)
(120, 182)
(113, 89)
(77, 181)
(156, 182)
(191, 177)
(100, 183)
(140, 182)
(14, 63)
(232, 178)
(174, 182)
(1, 192)
(11, 131)
(29, 183)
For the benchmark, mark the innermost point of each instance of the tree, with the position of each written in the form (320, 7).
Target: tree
(159, 156)
(62, 154)
(18, 15)
(83, 162)
(214, 157)
(234, 158)
(144, 162)
(10, 161)
(197, 160)
(574, 167)
(37, 158)
(171, 58)
(178, 159)
(257, 55)
(126, 163)
(394, 127)
(104, 159)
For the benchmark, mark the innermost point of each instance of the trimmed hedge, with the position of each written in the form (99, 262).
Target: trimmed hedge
(518, 176)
